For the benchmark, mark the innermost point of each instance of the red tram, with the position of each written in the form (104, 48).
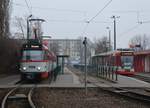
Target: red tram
(122, 60)
(37, 62)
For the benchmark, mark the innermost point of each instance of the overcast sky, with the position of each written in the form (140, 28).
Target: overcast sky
(66, 18)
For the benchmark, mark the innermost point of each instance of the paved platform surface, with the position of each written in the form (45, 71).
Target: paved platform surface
(124, 81)
(67, 79)
(144, 74)
(9, 80)
(70, 79)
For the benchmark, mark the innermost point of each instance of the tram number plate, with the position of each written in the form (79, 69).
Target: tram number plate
(31, 66)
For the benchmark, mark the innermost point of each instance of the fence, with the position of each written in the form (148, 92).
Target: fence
(107, 72)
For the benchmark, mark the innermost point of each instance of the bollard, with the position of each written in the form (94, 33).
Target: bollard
(116, 74)
(103, 71)
(109, 72)
(98, 70)
(113, 73)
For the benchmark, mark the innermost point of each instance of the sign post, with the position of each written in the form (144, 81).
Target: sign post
(85, 51)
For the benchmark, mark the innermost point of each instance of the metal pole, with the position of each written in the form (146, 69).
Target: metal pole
(63, 65)
(114, 33)
(85, 48)
(109, 40)
(109, 37)
(114, 17)
(28, 29)
(116, 74)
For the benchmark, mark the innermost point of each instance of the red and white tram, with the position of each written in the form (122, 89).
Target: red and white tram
(37, 62)
(121, 59)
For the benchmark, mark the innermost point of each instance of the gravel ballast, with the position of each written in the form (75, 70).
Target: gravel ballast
(76, 98)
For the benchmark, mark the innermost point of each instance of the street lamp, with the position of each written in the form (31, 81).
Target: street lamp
(109, 34)
(28, 26)
(114, 18)
(85, 55)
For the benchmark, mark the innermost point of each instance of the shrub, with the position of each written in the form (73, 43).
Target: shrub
(9, 56)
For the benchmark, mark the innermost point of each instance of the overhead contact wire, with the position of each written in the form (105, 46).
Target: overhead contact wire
(100, 11)
(30, 10)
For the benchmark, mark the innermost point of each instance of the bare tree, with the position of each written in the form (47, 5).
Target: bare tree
(141, 41)
(54, 47)
(90, 47)
(4, 18)
(102, 45)
(20, 23)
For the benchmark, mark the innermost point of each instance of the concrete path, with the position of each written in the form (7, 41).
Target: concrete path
(67, 79)
(70, 79)
(144, 74)
(123, 81)
(9, 80)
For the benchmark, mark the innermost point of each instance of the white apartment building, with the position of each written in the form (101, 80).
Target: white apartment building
(71, 47)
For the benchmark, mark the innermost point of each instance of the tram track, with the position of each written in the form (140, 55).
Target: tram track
(18, 98)
(143, 78)
(123, 92)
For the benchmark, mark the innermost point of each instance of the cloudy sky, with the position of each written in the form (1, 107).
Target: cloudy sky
(67, 18)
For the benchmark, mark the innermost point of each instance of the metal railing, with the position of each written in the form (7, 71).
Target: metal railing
(107, 72)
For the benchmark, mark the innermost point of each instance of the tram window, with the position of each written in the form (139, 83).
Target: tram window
(32, 55)
(127, 60)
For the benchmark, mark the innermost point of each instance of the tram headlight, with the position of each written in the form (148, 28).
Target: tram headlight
(24, 68)
(38, 68)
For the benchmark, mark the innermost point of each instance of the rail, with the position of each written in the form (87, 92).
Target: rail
(125, 93)
(117, 90)
(29, 100)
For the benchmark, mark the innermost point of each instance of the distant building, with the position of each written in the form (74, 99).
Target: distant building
(71, 47)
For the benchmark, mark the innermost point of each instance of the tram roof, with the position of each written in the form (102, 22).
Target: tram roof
(145, 52)
(109, 53)
(104, 54)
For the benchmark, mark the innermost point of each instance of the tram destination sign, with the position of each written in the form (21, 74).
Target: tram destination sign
(126, 53)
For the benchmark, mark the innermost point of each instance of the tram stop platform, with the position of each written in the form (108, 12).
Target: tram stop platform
(144, 74)
(67, 79)
(124, 81)
(70, 79)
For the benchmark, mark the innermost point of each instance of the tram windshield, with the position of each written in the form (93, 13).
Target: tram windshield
(32, 55)
(127, 61)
